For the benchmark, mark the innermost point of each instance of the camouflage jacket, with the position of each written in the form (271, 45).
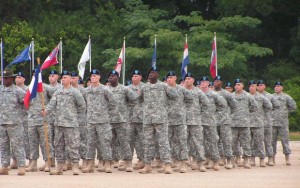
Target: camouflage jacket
(232, 107)
(99, 101)
(177, 106)
(247, 104)
(11, 104)
(268, 117)
(123, 95)
(264, 107)
(198, 107)
(287, 105)
(24, 111)
(81, 116)
(51, 115)
(136, 109)
(217, 109)
(154, 97)
(67, 103)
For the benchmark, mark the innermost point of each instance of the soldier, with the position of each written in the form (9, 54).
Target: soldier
(177, 121)
(268, 122)
(154, 94)
(36, 130)
(82, 125)
(257, 125)
(11, 124)
(217, 108)
(211, 86)
(135, 131)
(194, 110)
(224, 124)
(241, 122)
(119, 121)
(54, 85)
(228, 87)
(80, 82)
(99, 100)
(281, 120)
(20, 82)
(67, 102)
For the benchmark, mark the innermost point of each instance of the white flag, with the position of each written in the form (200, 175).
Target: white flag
(86, 55)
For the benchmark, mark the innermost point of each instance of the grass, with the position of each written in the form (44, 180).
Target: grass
(294, 136)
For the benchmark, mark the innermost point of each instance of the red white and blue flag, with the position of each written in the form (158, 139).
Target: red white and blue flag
(51, 59)
(213, 61)
(185, 60)
(120, 61)
(36, 86)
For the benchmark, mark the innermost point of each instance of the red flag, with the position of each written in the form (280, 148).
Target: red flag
(118, 66)
(51, 59)
(213, 61)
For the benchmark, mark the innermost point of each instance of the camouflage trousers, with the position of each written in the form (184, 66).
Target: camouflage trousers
(99, 134)
(136, 139)
(37, 139)
(11, 136)
(119, 131)
(159, 132)
(83, 141)
(257, 142)
(67, 138)
(51, 137)
(283, 132)
(25, 140)
(268, 141)
(178, 133)
(225, 147)
(211, 139)
(241, 137)
(196, 142)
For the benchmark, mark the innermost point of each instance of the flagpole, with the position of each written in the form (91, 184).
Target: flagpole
(215, 41)
(45, 124)
(1, 62)
(90, 51)
(60, 54)
(186, 43)
(32, 57)
(123, 72)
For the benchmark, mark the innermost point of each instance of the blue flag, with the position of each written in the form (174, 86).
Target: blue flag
(22, 57)
(185, 61)
(153, 63)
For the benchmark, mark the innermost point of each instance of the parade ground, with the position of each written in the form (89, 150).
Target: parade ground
(278, 176)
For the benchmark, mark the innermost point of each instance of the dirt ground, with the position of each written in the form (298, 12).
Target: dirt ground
(277, 176)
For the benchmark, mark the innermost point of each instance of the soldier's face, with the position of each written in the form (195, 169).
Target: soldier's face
(229, 89)
(218, 84)
(278, 89)
(171, 80)
(261, 87)
(53, 78)
(153, 75)
(113, 79)
(8, 81)
(252, 88)
(95, 78)
(74, 80)
(136, 79)
(239, 87)
(189, 81)
(204, 84)
(19, 80)
(66, 80)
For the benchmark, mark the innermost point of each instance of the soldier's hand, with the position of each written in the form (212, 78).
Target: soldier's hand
(43, 113)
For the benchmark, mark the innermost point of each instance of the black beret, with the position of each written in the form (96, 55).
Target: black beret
(278, 84)
(189, 74)
(171, 73)
(204, 78)
(260, 82)
(21, 74)
(228, 84)
(237, 81)
(53, 72)
(95, 71)
(113, 72)
(74, 74)
(218, 78)
(136, 72)
(65, 72)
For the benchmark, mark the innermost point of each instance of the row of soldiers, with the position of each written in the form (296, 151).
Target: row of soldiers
(169, 125)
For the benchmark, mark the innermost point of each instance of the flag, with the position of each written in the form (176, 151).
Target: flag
(51, 59)
(22, 57)
(120, 61)
(213, 61)
(84, 58)
(185, 60)
(153, 63)
(36, 85)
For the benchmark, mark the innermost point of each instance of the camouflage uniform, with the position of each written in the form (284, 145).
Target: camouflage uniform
(135, 131)
(35, 125)
(241, 123)
(119, 119)
(154, 119)
(281, 121)
(67, 103)
(268, 124)
(217, 109)
(257, 125)
(11, 127)
(177, 122)
(99, 100)
(194, 110)
(224, 124)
